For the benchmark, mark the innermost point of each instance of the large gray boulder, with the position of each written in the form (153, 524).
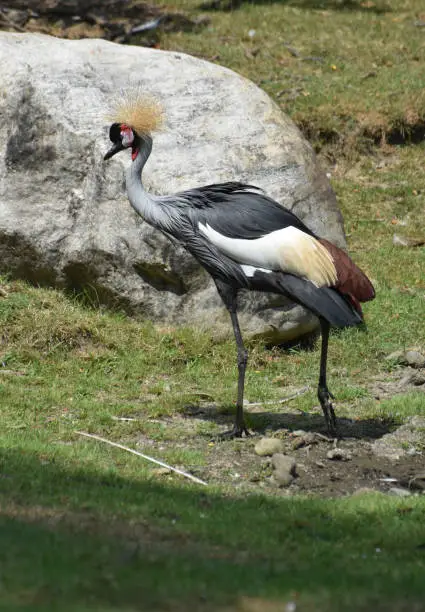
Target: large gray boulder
(64, 216)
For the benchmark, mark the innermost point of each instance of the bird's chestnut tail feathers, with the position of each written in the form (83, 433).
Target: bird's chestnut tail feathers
(351, 282)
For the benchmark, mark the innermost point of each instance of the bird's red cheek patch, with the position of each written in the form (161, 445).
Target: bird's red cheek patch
(134, 153)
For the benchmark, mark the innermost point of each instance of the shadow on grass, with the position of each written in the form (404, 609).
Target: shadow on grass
(331, 5)
(262, 421)
(75, 539)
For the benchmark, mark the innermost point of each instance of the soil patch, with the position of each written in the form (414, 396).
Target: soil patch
(117, 20)
(380, 460)
(370, 454)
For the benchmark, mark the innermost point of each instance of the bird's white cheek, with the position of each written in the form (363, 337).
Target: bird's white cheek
(127, 138)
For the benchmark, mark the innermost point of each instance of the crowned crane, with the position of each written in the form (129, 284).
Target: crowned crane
(245, 240)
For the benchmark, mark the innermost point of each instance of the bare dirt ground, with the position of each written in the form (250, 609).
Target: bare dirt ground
(385, 462)
(370, 454)
(115, 20)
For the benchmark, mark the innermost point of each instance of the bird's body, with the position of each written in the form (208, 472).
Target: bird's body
(246, 240)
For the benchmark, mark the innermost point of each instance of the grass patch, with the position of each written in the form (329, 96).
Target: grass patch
(405, 405)
(102, 541)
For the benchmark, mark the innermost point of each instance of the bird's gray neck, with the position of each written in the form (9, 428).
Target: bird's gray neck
(143, 202)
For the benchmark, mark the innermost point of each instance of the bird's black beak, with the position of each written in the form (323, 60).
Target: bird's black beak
(116, 148)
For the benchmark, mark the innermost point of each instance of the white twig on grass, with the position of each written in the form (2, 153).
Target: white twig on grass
(279, 401)
(130, 450)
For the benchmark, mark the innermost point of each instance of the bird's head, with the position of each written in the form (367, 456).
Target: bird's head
(135, 117)
(123, 137)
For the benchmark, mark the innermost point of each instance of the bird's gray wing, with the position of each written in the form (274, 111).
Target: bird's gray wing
(255, 231)
(239, 211)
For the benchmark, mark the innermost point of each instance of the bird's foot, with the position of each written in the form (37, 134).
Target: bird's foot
(237, 431)
(325, 397)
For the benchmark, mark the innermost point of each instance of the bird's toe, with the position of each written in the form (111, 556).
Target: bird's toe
(237, 431)
(325, 397)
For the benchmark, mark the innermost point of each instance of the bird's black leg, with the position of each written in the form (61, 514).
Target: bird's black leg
(323, 392)
(239, 427)
(229, 297)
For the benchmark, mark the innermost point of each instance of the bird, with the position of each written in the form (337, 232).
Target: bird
(245, 240)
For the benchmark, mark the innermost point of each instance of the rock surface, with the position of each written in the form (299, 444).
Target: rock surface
(64, 216)
(413, 357)
(398, 492)
(338, 454)
(268, 446)
(284, 469)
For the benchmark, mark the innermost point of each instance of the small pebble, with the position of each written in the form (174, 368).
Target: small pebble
(414, 359)
(398, 492)
(299, 432)
(338, 454)
(284, 469)
(405, 241)
(305, 440)
(268, 446)
(413, 377)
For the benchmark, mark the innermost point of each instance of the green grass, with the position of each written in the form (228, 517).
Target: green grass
(358, 72)
(76, 535)
(85, 527)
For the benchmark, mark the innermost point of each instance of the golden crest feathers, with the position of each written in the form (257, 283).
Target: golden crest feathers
(143, 113)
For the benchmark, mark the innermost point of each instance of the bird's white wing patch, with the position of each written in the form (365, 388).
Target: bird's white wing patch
(249, 271)
(288, 250)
